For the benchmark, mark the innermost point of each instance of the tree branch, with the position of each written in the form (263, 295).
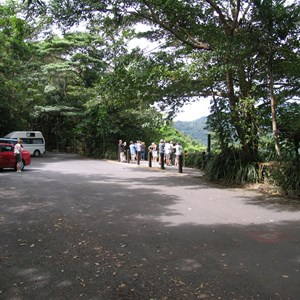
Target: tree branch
(219, 12)
(152, 17)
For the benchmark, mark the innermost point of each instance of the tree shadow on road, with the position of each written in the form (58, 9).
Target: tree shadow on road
(135, 234)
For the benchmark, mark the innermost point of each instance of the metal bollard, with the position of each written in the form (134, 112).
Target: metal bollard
(150, 159)
(208, 145)
(180, 163)
(128, 156)
(162, 160)
(138, 157)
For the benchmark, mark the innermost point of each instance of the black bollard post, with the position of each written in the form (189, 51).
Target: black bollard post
(162, 160)
(138, 157)
(150, 159)
(128, 156)
(208, 145)
(180, 163)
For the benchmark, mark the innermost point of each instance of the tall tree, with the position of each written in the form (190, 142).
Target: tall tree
(278, 27)
(69, 67)
(15, 54)
(216, 35)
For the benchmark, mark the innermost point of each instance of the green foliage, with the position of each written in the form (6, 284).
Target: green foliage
(231, 167)
(194, 160)
(203, 53)
(288, 118)
(192, 149)
(287, 178)
(14, 55)
(219, 123)
(289, 129)
(189, 145)
(104, 123)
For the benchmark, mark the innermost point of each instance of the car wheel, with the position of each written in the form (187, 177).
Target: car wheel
(36, 153)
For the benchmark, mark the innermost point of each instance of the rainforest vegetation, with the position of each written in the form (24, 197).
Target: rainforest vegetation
(68, 69)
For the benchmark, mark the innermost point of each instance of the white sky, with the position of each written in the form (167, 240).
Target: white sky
(194, 110)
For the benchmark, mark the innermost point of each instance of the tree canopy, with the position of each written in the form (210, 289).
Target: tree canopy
(240, 52)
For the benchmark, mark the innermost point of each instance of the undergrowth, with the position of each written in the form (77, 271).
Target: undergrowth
(231, 167)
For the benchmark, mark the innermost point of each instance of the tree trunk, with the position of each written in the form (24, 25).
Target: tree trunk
(273, 111)
(249, 149)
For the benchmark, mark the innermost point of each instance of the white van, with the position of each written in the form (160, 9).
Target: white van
(33, 141)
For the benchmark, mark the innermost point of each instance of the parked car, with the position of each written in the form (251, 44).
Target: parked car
(7, 157)
(8, 141)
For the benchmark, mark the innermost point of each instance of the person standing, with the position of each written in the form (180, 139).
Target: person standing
(143, 151)
(161, 150)
(138, 146)
(153, 149)
(178, 152)
(132, 150)
(168, 151)
(121, 149)
(18, 154)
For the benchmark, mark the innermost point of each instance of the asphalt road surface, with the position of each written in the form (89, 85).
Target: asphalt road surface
(74, 228)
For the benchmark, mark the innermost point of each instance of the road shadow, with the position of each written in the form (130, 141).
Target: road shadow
(113, 232)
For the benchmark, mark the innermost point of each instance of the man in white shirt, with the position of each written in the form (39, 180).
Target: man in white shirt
(18, 154)
(178, 152)
(168, 152)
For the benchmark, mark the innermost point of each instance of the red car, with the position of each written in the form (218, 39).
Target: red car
(7, 157)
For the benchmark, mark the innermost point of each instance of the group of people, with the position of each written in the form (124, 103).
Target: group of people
(163, 149)
(135, 149)
(167, 149)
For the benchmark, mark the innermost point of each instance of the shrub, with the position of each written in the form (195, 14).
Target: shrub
(232, 167)
(287, 178)
(194, 160)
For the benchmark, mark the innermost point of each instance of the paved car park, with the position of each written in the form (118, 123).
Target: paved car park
(76, 228)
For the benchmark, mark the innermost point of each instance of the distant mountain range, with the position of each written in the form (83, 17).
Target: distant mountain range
(194, 129)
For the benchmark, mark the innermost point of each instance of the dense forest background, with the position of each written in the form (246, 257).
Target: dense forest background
(66, 69)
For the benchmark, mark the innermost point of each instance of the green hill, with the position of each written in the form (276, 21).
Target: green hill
(194, 129)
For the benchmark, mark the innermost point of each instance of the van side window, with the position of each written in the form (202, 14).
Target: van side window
(26, 141)
(37, 141)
